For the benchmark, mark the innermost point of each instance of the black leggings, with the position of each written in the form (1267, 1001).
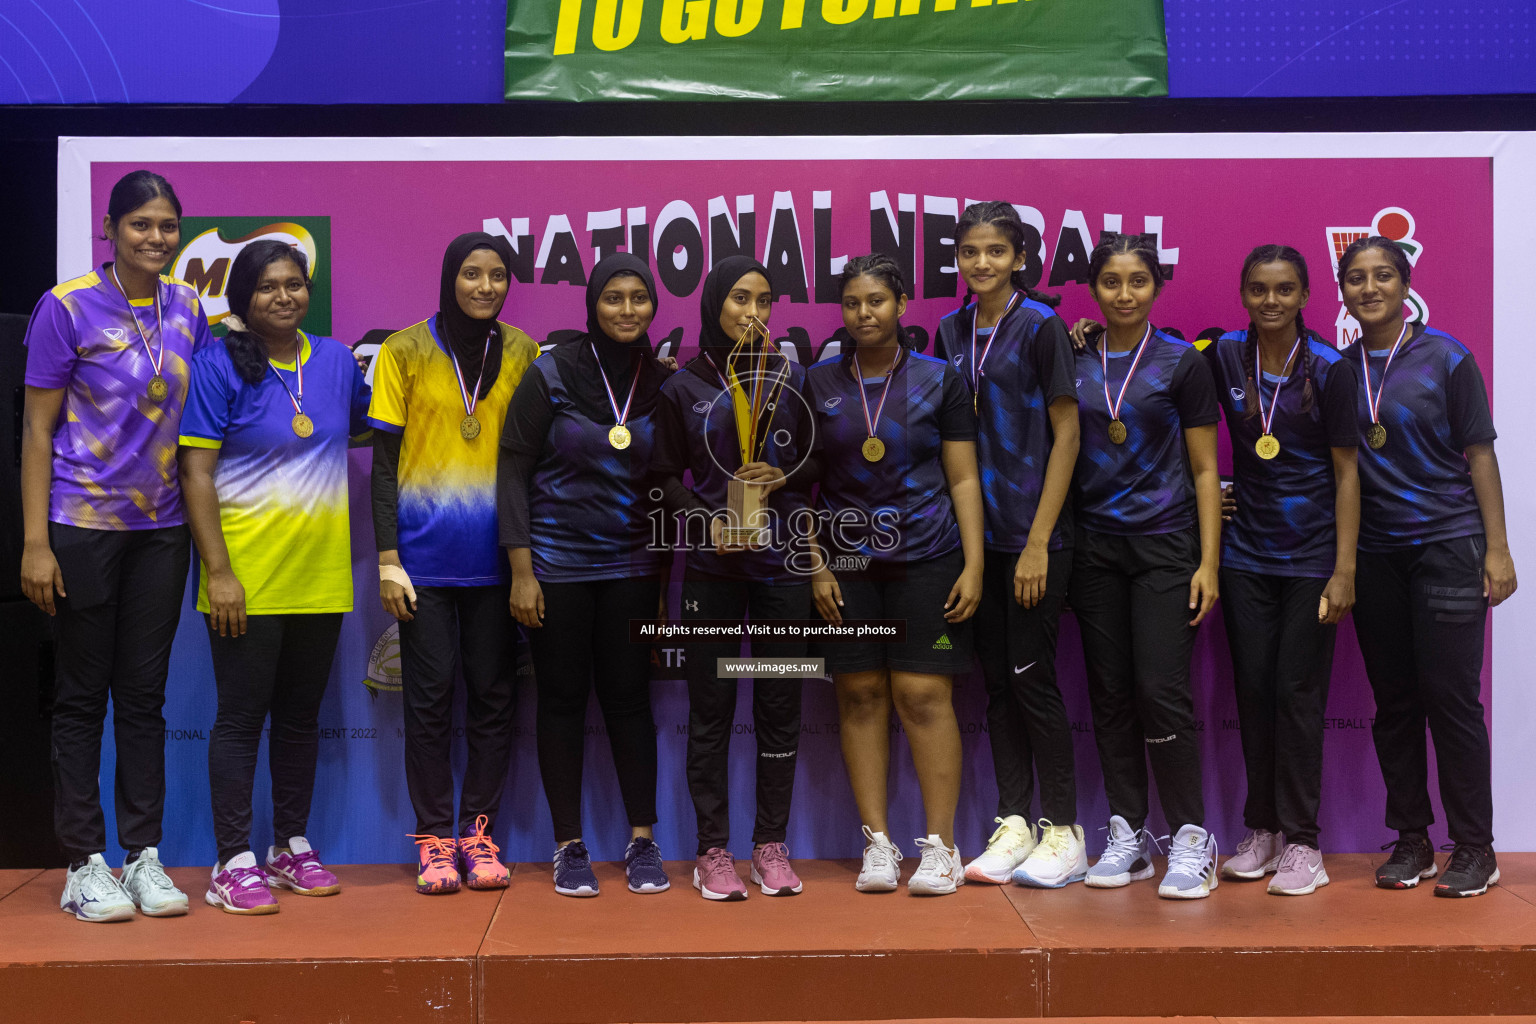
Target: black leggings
(1420, 620)
(712, 707)
(1281, 660)
(584, 644)
(1131, 597)
(113, 634)
(1026, 717)
(280, 666)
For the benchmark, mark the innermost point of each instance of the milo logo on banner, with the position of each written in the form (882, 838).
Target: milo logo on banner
(212, 243)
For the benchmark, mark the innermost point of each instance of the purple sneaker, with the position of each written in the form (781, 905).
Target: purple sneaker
(1257, 855)
(714, 875)
(298, 868)
(772, 872)
(240, 887)
(1301, 872)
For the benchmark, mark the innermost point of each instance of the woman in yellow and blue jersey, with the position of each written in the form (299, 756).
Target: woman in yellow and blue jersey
(264, 472)
(440, 393)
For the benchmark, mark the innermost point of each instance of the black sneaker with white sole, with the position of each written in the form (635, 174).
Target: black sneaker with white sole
(1412, 858)
(1470, 871)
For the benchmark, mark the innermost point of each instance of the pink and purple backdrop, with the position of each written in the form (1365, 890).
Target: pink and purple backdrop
(391, 218)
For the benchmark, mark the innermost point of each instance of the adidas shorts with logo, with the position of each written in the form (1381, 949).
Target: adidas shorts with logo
(913, 592)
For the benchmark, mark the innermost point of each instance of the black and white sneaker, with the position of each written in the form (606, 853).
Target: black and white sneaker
(1412, 859)
(1470, 871)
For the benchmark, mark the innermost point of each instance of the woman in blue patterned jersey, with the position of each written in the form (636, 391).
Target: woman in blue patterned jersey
(1434, 557)
(1144, 576)
(1287, 558)
(574, 509)
(902, 521)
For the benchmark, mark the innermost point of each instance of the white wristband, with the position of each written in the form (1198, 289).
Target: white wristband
(397, 574)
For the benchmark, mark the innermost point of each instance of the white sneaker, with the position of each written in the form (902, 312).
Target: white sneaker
(1191, 865)
(92, 893)
(939, 872)
(151, 888)
(1060, 858)
(1010, 844)
(880, 871)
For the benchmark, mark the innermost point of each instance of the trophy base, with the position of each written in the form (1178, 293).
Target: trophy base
(746, 514)
(744, 536)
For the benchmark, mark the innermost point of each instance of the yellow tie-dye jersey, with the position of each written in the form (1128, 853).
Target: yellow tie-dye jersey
(446, 509)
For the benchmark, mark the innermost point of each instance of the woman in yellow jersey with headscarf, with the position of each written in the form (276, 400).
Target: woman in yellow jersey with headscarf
(440, 393)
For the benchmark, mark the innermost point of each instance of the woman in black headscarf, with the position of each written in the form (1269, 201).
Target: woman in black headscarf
(440, 393)
(698, 430)
(575, 521)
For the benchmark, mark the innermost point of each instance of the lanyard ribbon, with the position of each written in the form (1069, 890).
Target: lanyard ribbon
(155, 361)
(885, 392)
(619, 417)
(977, 364)
(471, 398)
(1141, 347)
(1373, 402)
(1258, 382)
(298, 361)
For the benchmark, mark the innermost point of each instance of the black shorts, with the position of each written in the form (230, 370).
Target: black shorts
(914, 593)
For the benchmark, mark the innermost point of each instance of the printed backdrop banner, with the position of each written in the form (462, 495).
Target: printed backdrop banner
(389, 207)
(835, 49)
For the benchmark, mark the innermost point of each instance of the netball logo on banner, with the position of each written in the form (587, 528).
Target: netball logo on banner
(1395, 223)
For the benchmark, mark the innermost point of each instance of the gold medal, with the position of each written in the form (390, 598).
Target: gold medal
(619, 437)
(1117, 431)
(873, 449)
(158, 388)
(303, 425)
(1375, 436)
(1267, 446)
(469, 428)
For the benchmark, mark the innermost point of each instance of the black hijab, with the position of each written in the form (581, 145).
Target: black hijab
(717, 287)
(464, 335)
(617, 358)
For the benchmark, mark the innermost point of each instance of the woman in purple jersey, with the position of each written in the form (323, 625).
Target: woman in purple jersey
(106, 545)
(1434, 557)
(902, 513)
(1148, 511)
(1287, 560)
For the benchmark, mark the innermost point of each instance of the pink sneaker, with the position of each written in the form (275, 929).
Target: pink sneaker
(1301, 872)
(483, 868)
(437, 865)
(1257, 855)
(714, 875)
(298, 868)
(240, 887)
(772, 872)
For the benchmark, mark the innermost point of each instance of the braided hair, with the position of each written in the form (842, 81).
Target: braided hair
(1277, 254)
(1005, 219)
(885, 270)
(246, 348)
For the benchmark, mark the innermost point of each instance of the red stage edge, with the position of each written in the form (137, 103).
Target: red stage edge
(379, 953)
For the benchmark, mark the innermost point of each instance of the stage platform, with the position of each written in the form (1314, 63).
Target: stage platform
(381, 954)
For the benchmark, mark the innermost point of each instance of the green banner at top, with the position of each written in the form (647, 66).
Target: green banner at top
(838, 50)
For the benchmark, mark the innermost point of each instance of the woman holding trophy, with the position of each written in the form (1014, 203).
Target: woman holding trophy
(735, 418)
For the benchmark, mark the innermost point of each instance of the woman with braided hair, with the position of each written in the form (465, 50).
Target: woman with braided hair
(1287, 557)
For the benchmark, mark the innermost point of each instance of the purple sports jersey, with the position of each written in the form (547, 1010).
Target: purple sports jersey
(114, 449)
(898, 509)
(1027, 367)
(1284, 523)
(1143, 486)
(696, 431)
(1417, 489)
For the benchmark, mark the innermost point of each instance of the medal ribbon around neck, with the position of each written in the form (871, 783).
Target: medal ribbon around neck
(155, 361)
(1141, 347)
(977, 364)
(1373, 402)
(619, 435)
(469, 427)
(885, 392)
(1266, 419)
(302, 424)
